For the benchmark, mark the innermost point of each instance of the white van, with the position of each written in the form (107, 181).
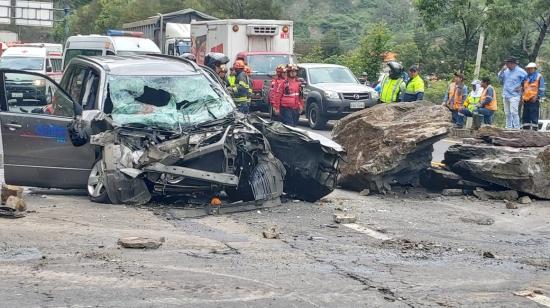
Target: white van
(114, 43)
(36, 57)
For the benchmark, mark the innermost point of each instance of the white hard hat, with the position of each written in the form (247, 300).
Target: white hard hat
(531, 65)
(476, 81)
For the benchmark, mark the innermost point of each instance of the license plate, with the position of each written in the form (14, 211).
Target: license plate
(357, 105)
(17, 95)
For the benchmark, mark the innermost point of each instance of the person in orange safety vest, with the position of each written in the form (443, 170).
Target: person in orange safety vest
(533, 93)
(454, 98)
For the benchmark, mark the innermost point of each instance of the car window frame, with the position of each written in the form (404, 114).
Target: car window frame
(4, 102)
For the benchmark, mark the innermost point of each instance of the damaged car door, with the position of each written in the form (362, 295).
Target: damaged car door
(35, 113)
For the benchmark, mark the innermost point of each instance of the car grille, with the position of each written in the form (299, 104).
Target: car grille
(356, 96)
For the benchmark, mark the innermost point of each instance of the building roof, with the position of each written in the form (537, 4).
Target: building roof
(182, 16)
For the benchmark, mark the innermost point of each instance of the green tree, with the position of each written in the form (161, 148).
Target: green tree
(529, 18)
(315, 55)
(370, 54)
(247, 9)
(330, 43)
(468, 15)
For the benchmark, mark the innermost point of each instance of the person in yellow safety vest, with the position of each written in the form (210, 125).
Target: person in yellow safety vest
(488, 101)
(231, 78)
(533, 93)
(241, 89)
(454, 98)
(471, 102)
(414, 90)
(392, 86)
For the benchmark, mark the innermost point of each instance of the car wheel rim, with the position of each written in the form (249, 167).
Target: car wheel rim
(95, 181)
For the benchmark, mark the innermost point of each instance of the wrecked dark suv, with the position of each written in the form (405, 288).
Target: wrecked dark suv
(131, 128)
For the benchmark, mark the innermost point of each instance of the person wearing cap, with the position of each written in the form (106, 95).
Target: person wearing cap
(414, 90)
(488, 101)
(512, 76)
(241, 88)
(288, 102)
(454, 98)
(471, 103)
(280, 76)
(533, 91)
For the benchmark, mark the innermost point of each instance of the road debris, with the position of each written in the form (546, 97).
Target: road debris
(496, 195)
(16, 203)
(344, 218)
(141, 242)
(271, 233)
(513, 160)
(452, 192)
(389, 144)
(511, 205)
(10, 190)
(368, 231)
(534, 295)
(364, 192)
(478, 220)
(525, 200)
(488, 255)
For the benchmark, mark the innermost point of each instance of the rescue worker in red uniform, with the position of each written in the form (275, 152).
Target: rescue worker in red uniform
(288, 103)
(280, 76)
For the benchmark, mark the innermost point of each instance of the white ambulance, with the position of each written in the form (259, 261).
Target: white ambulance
(43, 58)
(116, 42)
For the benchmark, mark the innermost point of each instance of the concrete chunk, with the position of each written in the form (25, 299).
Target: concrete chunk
(271, 233)
(345, 218)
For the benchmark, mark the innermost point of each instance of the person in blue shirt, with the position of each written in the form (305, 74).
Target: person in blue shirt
(533, 93)
(512, 76)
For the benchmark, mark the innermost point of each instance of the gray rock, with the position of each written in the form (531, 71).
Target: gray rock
(140, 242)
(522, 169)
(365, 192)
(496, 195)
(344, 218)
(10, 190)
(271, 233)
(525, 200)
(511, 205)
(389, 144)
(452, 192)
(478, 220)
(16, 203)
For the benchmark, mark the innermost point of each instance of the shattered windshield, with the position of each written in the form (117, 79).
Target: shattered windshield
(168, 102)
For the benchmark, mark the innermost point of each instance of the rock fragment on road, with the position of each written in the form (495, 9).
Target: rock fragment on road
(16, 203)
(271, 233)
(344, 218)
(137, 242)
(452, 192)
(10, 190)
(496, 195)
(525, 200)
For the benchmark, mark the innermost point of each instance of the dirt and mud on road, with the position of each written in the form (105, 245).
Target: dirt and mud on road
(413, 250)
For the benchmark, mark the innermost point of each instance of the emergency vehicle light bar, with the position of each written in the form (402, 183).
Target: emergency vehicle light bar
(125, 33)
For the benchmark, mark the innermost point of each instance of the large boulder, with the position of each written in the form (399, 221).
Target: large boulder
(514, 138)
(523, 169)
(389, 144)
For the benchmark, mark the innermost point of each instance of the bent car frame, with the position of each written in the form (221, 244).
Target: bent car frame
(131, 128)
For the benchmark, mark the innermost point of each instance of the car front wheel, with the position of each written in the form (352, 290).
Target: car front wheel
(315, 116)
(96, 183)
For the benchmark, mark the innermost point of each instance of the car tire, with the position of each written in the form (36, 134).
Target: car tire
(315, 117)
(96, 183)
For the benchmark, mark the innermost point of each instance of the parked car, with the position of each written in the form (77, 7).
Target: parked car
(150, 125)
(332, 92)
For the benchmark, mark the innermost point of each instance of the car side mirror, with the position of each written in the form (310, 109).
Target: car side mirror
(49, 69)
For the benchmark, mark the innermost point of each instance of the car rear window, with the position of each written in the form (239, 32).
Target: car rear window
(71, 53)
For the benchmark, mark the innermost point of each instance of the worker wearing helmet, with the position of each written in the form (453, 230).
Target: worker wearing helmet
(392, 86)
(241, 90)
(288, 102)
(280, 76)
(471, 103)
(533, 93)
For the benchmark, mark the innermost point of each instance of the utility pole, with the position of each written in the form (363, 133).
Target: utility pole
(479, 54)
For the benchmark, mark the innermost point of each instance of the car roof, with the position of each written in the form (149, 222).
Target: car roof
(315, 65)
(155, 65)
